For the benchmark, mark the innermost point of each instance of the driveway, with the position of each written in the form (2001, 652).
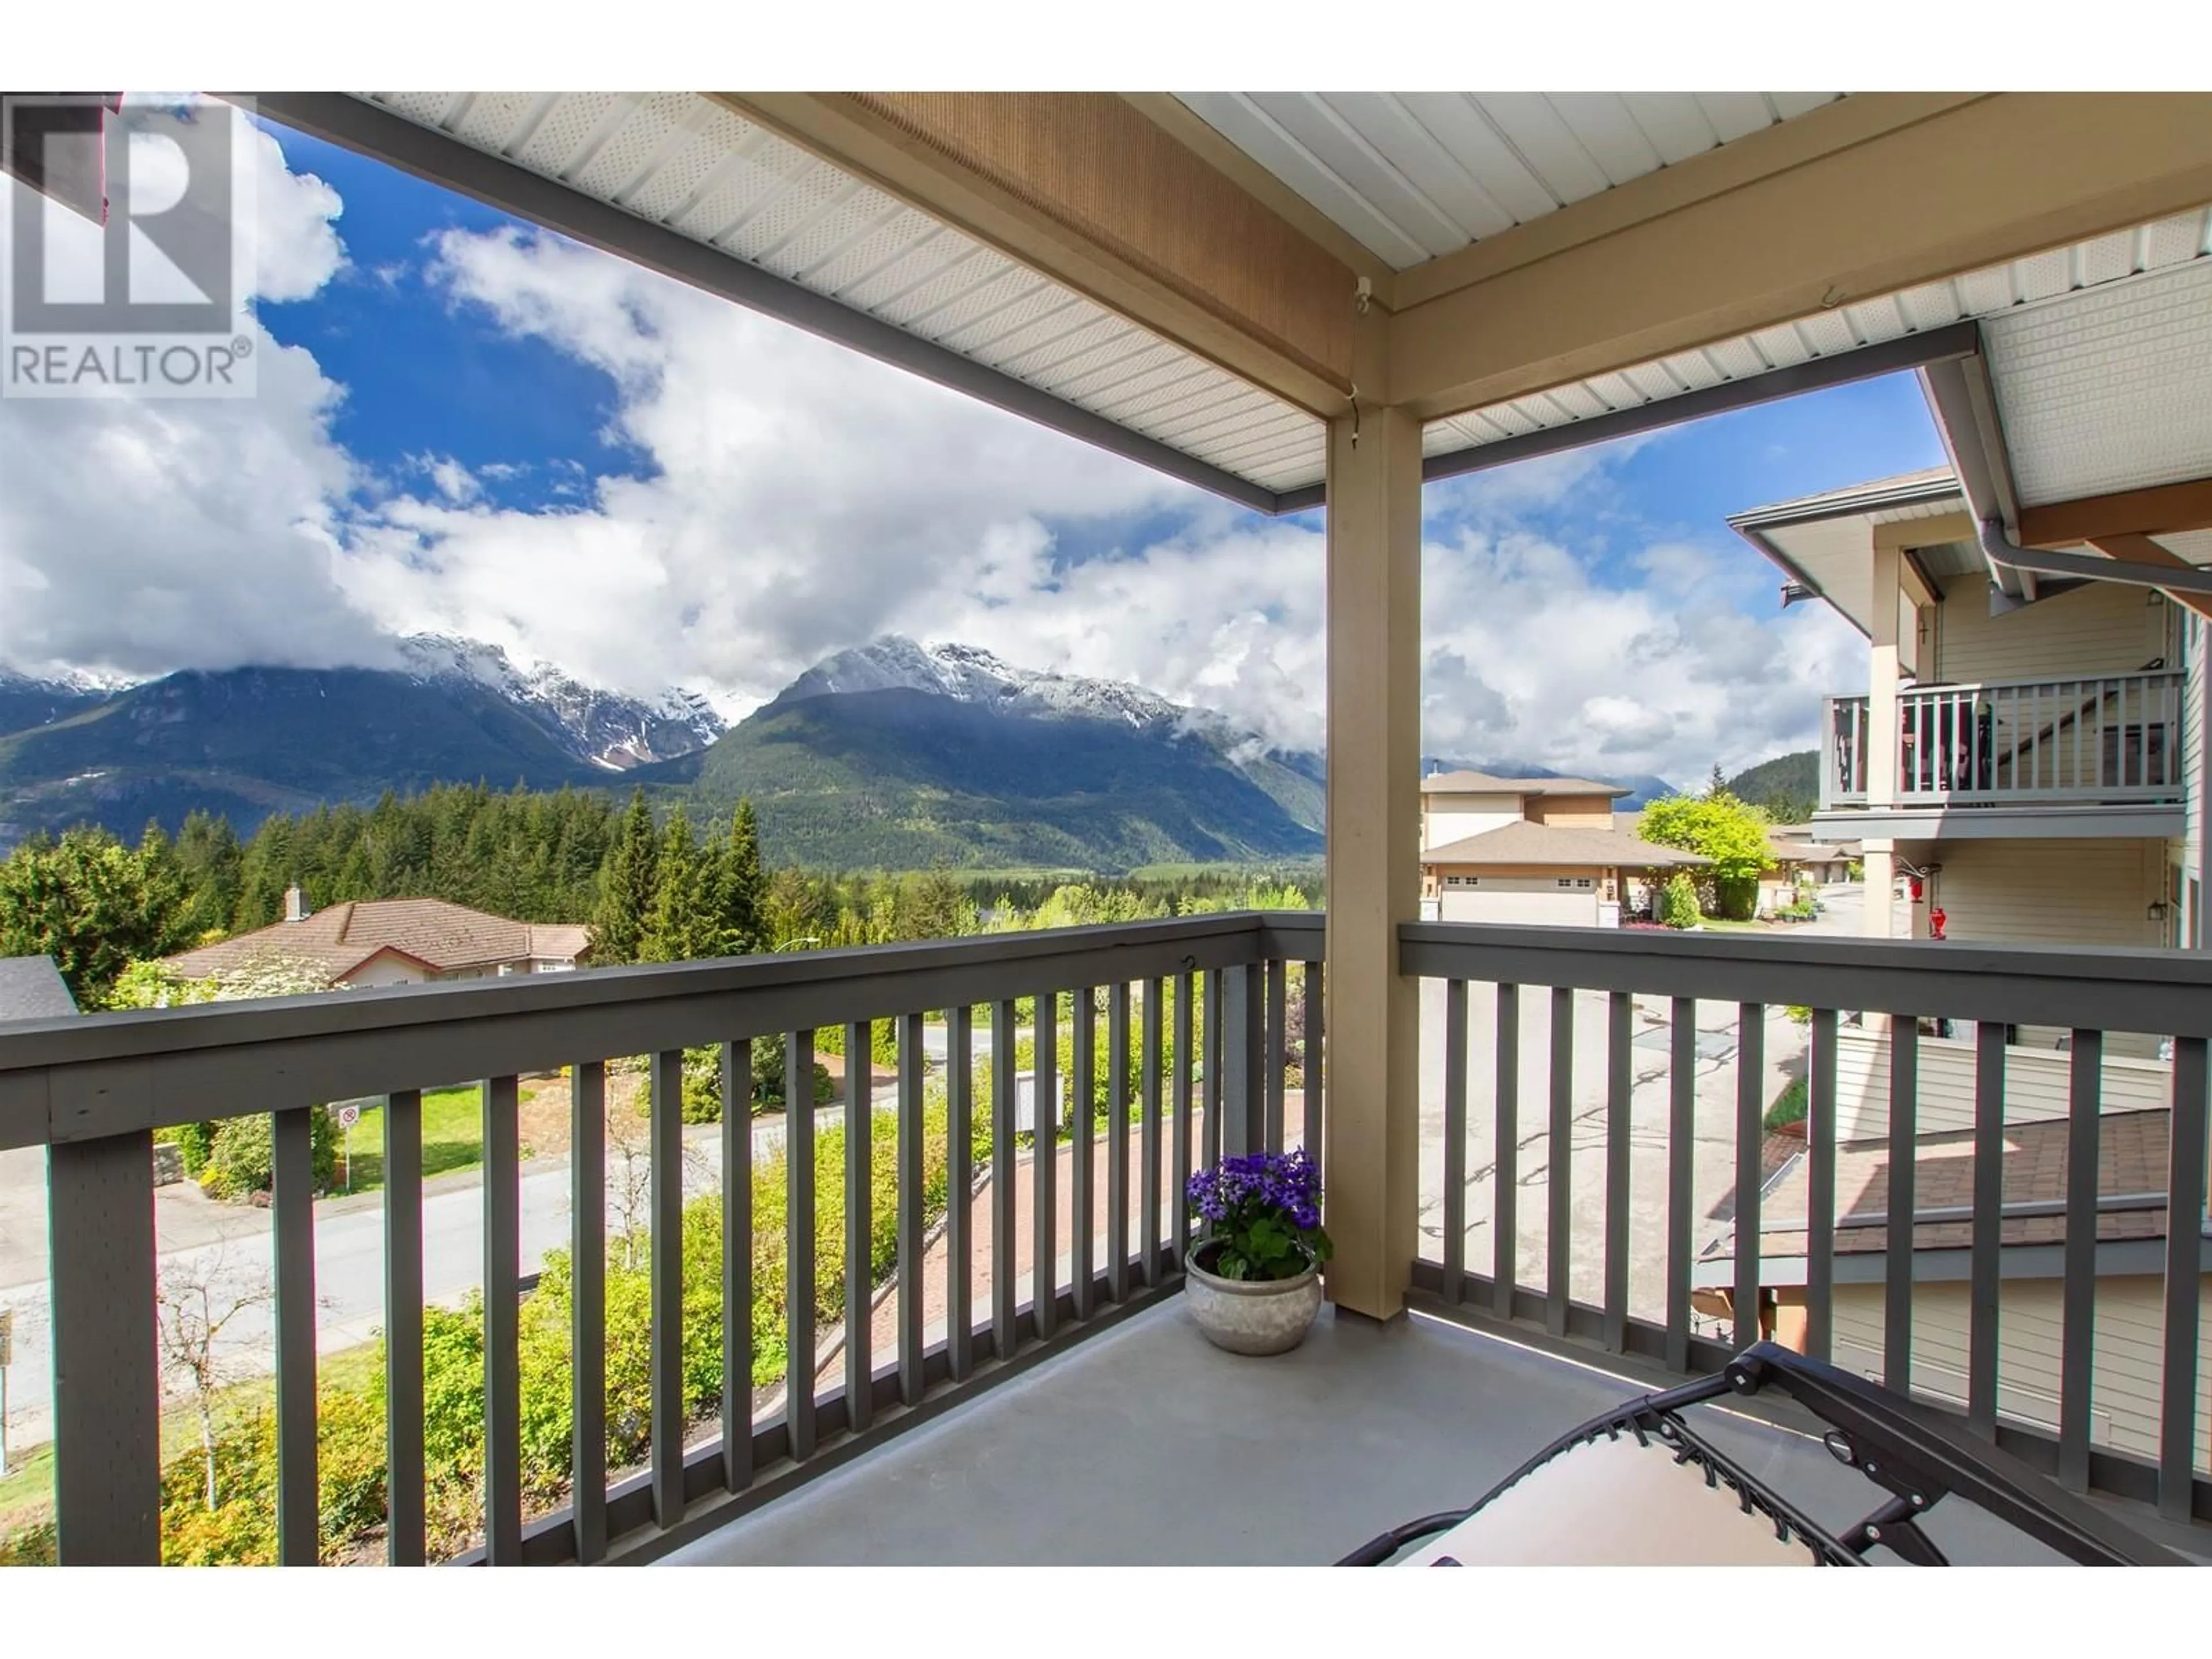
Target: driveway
(1713, 1143)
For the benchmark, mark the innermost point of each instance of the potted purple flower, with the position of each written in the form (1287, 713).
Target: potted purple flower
(1253, 1278)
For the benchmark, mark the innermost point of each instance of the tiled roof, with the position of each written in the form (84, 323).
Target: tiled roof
(2130, 1159)
(1552, 845)
(32, 987)
(441, 936)
(1488, 783)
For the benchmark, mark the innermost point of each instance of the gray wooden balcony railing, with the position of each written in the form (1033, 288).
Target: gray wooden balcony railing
(2090, 991)
(2114, 740)
(93, 1091)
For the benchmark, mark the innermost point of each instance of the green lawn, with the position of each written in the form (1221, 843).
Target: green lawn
(452, 1138)
(1788, 1106)
(27, 1495)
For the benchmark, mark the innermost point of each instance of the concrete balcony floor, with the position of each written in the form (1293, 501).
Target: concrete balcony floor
(1144, 1446)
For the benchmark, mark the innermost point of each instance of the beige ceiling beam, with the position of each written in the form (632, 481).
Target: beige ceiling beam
(2142, 549)
(2160, 510)
(1875, 194)
(1087, 190)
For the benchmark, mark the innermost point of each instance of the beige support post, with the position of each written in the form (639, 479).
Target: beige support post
(1374, 855)
(1878, 859)
(1881, 744)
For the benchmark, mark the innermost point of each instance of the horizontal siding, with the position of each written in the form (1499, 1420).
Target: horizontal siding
(2034, 891)
(2124, 1382)
(2036, 1081)
(2105, 628)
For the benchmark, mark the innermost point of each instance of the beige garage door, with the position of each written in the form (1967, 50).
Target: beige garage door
(1522, 899)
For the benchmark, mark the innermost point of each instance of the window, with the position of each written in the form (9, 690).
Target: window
(1462, 881)
(1582, 882)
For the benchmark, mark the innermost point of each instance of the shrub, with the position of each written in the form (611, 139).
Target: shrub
(767, 1076)
(1678, 901)
(1736, 898)
(241, 1157)
(34, 1545)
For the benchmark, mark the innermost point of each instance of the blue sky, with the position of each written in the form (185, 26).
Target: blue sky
(472, 428)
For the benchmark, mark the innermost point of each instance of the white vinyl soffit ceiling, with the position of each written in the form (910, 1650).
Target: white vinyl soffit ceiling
(1414, 175)
(2026, 307)
(683, 162)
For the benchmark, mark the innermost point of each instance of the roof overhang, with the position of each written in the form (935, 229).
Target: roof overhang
(1204, 286)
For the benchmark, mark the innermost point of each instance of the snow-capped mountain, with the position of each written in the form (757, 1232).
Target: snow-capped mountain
(606, 728)
(31, 700)
(967, 673)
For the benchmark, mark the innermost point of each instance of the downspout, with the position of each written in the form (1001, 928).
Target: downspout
(1999, 548)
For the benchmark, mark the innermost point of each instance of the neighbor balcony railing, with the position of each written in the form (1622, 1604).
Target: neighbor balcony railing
(93, 1091)
(2113, 739)
(1544, 1272)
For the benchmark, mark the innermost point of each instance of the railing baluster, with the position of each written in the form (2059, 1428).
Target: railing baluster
(666, 1244)
(2185, 1206)
(1988, 1206)
(2078, 1337)
(1903, 1111)
(1241, 1127)
(1272, 1058)
(1148, 1187)
(737, 1137)
(588, 1302)
(292, 1218)
(1454, 1140)
(403, 1520)
(502, 1290)
(1619, 1010)
(1082, 1186)
(1179, 1232)
(911, 1181)
(1310, 1067)
(860, 1241)
(1750, 1164)
(1560, 1178)
(799, 1243)
(1044, 1269)
(1682, 1146)
(107, 1392)
(960, 1187)
(1820, 1185)
(1506, 1157)
(1005, 1109)
(1214, 1060)
(1117, 1140)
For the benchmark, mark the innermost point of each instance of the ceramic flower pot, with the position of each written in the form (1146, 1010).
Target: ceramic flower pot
(1253, 1317)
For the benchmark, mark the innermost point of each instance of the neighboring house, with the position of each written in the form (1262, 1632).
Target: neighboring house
(32, 987)
(2024, 756)
(1800, 861)
(375, 942)
(2130, 1248)
(1541, 850)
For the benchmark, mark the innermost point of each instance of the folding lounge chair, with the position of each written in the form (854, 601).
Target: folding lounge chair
(1640, 1487)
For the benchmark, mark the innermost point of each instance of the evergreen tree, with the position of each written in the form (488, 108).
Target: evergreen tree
(680, 926)
(1716, 784)
(740, 890)
(628, 887)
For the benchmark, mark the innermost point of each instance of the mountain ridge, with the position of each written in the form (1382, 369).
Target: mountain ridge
(887, 754)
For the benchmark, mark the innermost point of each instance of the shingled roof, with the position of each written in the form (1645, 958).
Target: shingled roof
(2131, 1150)
(441, 937)
(1487, 783)
(1555, 846)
